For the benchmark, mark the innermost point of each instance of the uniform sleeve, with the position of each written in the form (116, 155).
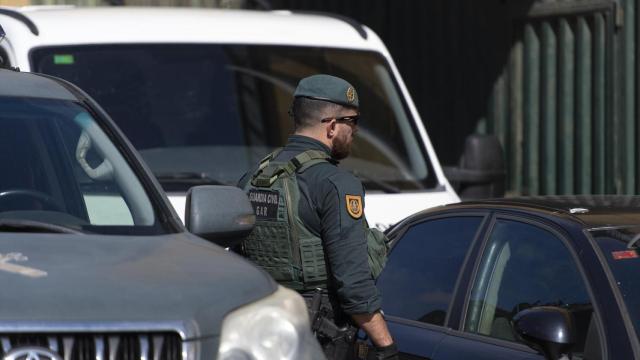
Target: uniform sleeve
(345, 244)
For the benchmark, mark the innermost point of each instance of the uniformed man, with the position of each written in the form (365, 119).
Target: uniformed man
(330, 207)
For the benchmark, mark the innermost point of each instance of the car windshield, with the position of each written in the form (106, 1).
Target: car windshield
(624, 262)
(206, 113)
(60, 169)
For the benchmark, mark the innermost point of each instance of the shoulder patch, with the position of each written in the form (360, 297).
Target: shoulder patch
(354, 206)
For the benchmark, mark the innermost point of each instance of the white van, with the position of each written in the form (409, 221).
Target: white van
(203, 94)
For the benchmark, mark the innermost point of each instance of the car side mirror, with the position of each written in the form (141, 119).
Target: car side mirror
(481, 172)
(547, 329)
(220, 214)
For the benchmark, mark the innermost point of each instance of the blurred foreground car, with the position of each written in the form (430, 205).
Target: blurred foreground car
(517, 279)
(94, 263)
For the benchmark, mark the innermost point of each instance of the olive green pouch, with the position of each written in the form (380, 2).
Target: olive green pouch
(377, 248)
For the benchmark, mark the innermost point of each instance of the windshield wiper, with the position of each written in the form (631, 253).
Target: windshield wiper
(31, 226)
(189, 178)
(384, 186)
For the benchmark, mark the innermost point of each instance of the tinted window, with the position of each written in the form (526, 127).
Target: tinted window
(420, 276)
(58, 166)
(213, 111)
(524, 266)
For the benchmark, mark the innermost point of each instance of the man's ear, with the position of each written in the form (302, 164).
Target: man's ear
(331, 129)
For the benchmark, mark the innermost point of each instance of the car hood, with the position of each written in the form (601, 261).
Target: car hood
(174, 279)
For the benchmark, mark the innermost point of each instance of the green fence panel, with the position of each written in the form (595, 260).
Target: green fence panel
(549, 109)
(599, 105)
(566, 106)
(583, 106)
(628, 86)
(514, 153)
(559, 132)
(531, 110)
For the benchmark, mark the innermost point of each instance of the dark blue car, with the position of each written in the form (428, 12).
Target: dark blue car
(535, 278)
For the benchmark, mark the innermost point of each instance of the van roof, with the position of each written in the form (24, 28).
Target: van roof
(104, 25)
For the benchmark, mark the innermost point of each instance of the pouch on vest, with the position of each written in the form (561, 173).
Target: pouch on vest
(377, 249)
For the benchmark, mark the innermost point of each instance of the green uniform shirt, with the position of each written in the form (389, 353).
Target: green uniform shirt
(329, 208)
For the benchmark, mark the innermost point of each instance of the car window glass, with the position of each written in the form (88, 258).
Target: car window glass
(420, 276)
(60, 167)
(102, 197)
(524, 266)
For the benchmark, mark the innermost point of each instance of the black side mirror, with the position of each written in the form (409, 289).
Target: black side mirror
(547, 329)
(481, 172)
(221, 214)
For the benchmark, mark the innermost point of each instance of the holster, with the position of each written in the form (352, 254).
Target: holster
(337, 341)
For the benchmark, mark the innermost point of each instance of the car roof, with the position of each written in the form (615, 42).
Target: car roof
(20, 84)
(104, 25)
(592, 211)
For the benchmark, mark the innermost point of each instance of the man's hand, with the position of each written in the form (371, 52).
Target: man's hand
(387, 352)
(375, 327)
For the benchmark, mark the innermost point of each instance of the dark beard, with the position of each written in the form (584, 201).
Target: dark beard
(341, 148)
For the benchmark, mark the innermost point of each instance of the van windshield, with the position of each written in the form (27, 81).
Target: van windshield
(203, 113)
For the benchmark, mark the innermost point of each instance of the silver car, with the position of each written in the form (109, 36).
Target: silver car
(95, 264)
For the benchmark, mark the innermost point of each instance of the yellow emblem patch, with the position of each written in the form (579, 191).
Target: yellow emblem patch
(351, 95)
(354, 206)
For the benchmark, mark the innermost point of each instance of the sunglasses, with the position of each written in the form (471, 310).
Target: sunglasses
(352, 119)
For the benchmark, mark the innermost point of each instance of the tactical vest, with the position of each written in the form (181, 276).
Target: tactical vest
(280, 243)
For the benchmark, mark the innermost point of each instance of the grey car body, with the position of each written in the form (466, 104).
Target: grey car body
(87, 290)
(177, 279)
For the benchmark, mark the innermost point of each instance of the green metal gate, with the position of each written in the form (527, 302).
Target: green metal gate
(561, 108)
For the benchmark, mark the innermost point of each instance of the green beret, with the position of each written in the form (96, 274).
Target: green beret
(328, 88)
